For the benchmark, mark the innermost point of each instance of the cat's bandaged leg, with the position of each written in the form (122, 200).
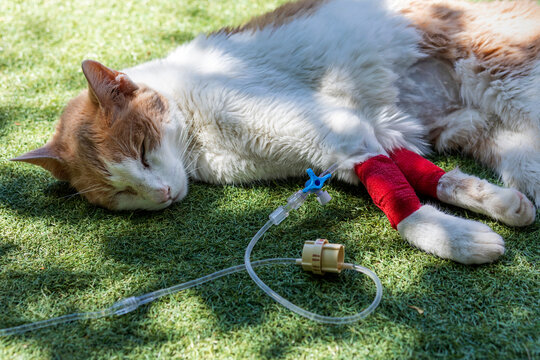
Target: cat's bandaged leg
(469, 192)
(388, 188)
(425, 227)
(421, 173)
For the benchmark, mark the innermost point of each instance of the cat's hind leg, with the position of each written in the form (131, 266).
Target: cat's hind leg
(466, 191)
(449, 237)
(515, 156)
(510, 148)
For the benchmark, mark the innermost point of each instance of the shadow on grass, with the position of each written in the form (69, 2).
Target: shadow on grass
(461, 327)
(42, 281)
(13, 116)
(6, 247)
(205, 233)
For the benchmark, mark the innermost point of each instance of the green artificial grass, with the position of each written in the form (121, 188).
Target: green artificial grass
(59, 254)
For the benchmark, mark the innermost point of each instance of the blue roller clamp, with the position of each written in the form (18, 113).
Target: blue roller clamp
(315, 183)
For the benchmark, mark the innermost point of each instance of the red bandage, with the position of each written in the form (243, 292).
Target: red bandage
(422, 174)
(388, 188)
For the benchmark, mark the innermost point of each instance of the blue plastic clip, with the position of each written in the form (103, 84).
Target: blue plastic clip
(314, 183)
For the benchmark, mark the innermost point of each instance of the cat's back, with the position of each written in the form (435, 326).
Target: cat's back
(305, 37)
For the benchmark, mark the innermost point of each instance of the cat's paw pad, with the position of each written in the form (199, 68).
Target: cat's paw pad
(450, 237)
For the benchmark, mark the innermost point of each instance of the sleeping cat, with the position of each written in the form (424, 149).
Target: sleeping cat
(316, 83)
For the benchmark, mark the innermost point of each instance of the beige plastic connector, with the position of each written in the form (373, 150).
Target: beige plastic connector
(320, 256)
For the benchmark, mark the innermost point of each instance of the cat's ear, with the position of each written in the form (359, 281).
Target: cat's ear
(107, 87)
(47, 158)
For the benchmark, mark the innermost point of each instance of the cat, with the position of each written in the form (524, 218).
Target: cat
(312, 84)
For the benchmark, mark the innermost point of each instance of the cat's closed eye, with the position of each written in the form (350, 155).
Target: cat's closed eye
(143, 155)
(127, 191)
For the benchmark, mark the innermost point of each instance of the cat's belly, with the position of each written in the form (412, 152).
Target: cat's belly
(429, 91)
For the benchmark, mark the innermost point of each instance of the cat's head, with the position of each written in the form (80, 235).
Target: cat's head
(116, 144)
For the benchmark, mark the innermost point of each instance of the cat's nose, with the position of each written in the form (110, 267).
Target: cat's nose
(164, 193)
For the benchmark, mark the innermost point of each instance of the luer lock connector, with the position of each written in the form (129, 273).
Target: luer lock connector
(320, 256)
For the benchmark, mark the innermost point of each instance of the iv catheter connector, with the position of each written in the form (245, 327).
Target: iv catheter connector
(125, 306)
(323, 197)
(293, 202)
(313, 186)
(320, 256)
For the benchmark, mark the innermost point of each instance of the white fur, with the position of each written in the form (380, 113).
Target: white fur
(498, 123)
(158, 186)
(323, 89)
(496, 119)
(269, 104)
(345, 81)
(518, 152)
(514, 149)
(450, 237)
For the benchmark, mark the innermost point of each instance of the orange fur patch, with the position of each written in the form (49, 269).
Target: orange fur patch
(87, 136)
(279, 17)
(504, 36)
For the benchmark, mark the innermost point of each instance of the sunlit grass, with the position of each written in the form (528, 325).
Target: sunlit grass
(59, 254)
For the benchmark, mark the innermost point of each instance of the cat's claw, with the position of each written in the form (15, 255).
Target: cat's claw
(450, 237)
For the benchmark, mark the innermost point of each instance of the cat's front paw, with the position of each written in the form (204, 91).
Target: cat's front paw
(514, 208)
(450, 237)
(506, 205)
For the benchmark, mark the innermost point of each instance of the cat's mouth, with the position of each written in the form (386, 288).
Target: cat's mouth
(171, 200)
(180, 195)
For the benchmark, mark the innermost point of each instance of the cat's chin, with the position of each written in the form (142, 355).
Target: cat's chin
(142, 206)
(179, 196)
(129, 203)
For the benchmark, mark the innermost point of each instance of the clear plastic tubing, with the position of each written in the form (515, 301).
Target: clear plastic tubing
(299, 310)
(130, 304)
(127, 305)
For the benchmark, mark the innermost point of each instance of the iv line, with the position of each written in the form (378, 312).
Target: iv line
(129, 304)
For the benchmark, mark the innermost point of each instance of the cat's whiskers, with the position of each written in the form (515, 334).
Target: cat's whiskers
(186, 139)
(192, 171)
(84, 191)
